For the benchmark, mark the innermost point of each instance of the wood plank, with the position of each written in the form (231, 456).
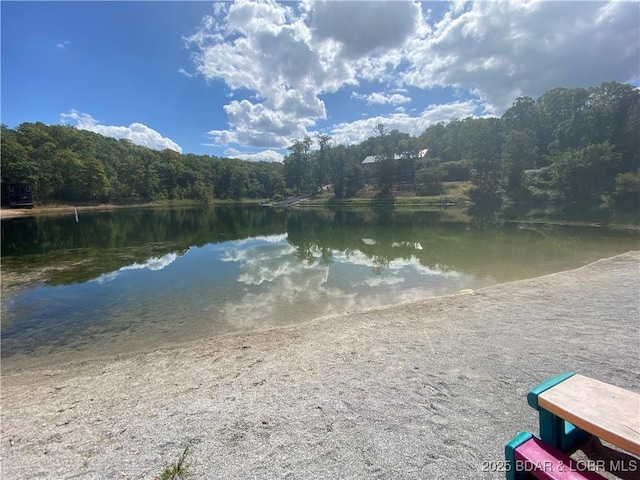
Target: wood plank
(606, 411)
(545, 462)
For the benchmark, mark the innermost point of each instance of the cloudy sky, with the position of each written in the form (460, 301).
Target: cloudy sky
(246, 79)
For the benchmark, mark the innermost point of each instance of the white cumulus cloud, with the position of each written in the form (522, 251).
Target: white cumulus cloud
(268, 49)
(258, 126)
(364, 28)
(138, 133)
(282, 62)
(504, 49)
(379, 98)
(263, 156)
(350, 133)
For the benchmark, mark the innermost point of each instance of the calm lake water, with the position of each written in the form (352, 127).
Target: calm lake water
(127, 280)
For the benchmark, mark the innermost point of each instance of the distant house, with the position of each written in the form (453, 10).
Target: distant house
(17, 195)
(371, 162)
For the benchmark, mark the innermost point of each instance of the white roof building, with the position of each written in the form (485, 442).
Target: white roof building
(372, 159)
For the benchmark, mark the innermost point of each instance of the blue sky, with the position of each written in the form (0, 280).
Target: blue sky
(247, 79)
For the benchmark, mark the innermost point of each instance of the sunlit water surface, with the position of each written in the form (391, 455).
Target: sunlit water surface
(124, 281)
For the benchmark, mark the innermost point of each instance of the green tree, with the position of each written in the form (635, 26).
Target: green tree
(131, 179)
(16, 166)
(582, 175)
(627, 190)
(429, 181)
(524, 114)
(337, 158)
(519, 153)
(434, 138)
(67, 184)
(298, 166)
(386, 172)
(94, 184)
(408, 149)
(323, 166)
(354, 174)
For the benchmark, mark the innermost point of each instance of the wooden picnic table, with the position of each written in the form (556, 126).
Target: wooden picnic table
(570, 407)
(610, 413)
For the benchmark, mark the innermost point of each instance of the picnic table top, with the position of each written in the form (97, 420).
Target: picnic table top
(606, 411)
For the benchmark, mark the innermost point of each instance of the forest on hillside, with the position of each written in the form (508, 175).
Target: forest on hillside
(570, 148)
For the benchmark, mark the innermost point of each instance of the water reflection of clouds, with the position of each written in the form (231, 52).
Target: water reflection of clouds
(278, 238)
(256, 253)
(398, 268)
(153, 264)
(282, 289)
(356, 257)
(299, 295)
(414, 263)
(380, 281)
(263, 263)
(266, 268)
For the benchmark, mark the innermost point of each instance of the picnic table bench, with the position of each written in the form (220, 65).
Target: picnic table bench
(570, 407)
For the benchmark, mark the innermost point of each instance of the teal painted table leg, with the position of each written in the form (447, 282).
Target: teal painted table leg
(554, 430)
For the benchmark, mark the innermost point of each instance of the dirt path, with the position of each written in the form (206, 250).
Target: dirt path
(426, 390)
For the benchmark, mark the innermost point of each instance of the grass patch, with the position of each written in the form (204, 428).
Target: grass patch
(177, 469)
(141, 204)
(455, 192)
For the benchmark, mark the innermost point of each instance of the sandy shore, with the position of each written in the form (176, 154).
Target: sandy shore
(426, 390)
(51, 210)
(70, 209)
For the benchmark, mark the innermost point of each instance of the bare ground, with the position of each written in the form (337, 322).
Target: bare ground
(425, 390)
(70, 209)
(51, 210)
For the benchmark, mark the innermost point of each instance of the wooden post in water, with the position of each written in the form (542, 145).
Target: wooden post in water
(75, 209)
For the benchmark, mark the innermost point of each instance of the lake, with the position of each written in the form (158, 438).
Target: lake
(139, 279)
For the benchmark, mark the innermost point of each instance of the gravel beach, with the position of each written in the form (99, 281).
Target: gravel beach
(428, 390)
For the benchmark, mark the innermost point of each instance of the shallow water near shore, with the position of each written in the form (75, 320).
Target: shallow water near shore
(122, 281)
(432, 389)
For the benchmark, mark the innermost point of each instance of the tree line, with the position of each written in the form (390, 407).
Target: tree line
(570, 147)
(65, 164)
